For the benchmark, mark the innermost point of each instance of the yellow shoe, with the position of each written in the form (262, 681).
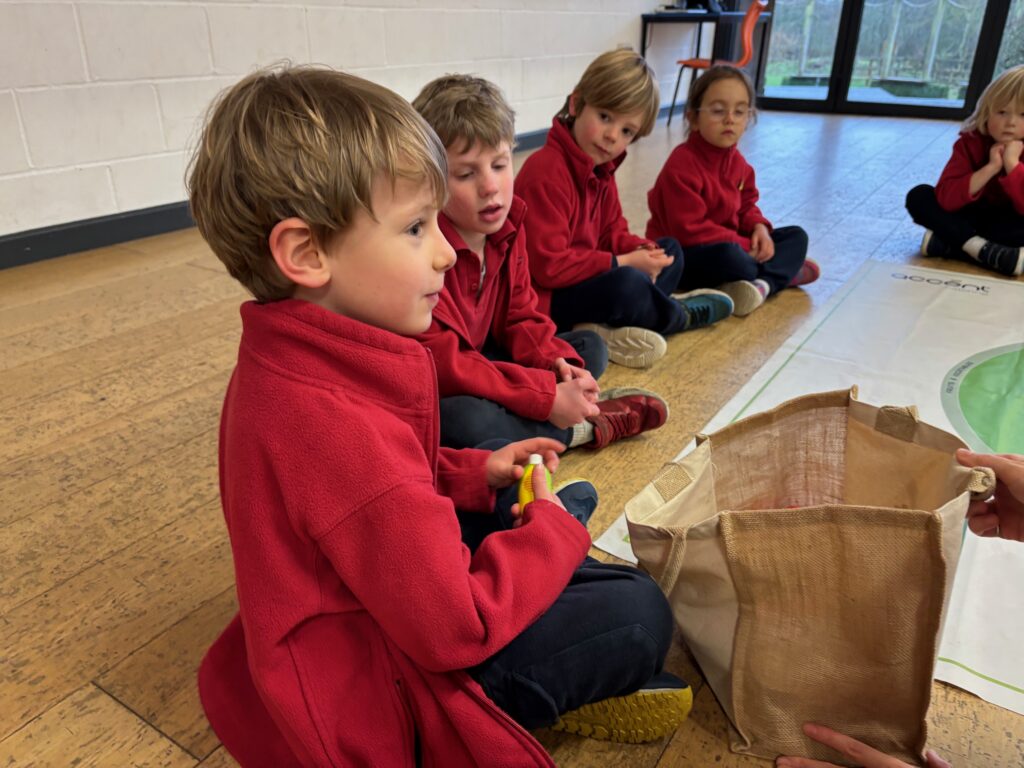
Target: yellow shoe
(653, 712)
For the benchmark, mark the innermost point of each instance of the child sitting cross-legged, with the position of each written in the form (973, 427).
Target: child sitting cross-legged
(368, 632)
(502, 372)
(976, 211)
(705, 196)
(590, 271)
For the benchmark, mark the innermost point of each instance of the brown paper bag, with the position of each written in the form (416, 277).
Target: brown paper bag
(808, 553)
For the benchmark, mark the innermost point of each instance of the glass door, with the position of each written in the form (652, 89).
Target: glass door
(801, 49)
(917, 52)
(925, 58)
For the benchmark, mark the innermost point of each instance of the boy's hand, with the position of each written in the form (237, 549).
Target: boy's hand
(1011, 154)
(1003, 514)
(574, 401)
(762, 247)
(650, 261)
(505, 465)
(540, 491)
(566, 372)
(852, 749)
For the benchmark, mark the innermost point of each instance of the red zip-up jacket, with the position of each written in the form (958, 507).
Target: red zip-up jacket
(505, 308)
(705, 194)
(970, 152)
(359, 605)
(573, 213)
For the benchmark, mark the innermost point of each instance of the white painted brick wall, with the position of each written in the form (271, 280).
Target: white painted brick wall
(100, 100)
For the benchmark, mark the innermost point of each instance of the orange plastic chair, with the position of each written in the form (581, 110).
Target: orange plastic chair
(747, 35)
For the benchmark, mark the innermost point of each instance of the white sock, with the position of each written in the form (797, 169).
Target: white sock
(973, 246)
(582, 434)
(763, 285)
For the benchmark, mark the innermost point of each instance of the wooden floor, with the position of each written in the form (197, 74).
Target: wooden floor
(115, 571)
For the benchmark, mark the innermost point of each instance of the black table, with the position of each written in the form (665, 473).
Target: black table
(700, 18)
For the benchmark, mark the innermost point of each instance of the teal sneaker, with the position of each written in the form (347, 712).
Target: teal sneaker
(704, 307)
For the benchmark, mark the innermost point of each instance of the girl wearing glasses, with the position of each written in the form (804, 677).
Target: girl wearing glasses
(705, 197)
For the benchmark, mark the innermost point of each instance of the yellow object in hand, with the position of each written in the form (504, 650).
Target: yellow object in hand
(526, 483)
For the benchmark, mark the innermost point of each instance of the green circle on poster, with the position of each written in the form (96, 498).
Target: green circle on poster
(983, 396)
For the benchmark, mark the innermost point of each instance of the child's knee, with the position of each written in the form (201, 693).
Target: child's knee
(671, 247)
(919, 196)
(648, 609)
(631, 284)
(798, 237)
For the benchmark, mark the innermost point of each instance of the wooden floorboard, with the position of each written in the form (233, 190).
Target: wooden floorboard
(89, 728)
(113, 363)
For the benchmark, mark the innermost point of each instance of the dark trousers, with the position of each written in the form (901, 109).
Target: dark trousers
(708, 266)
(1001, 225)
(467, 421)
(606, 635)
(625, 296)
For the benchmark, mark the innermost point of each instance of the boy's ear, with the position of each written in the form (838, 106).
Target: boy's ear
(297, 254)
(572, 105)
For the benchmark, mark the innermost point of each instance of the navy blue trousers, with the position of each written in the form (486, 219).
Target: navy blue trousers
(606, 635)
(708, 266)
(1000, 225)
(467, 421)
(625, 296)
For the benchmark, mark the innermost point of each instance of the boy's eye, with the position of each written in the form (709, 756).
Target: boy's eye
(500, 166)
(627, 131)
(416, 229)
(463, 175)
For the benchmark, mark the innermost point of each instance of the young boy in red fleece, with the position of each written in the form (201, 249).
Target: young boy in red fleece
(501, 370)
(368, 633)
(590, 271)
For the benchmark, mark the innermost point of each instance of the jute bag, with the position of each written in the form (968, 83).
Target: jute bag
(808, 553)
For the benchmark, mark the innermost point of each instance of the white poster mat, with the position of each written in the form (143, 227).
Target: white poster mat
(911, 336)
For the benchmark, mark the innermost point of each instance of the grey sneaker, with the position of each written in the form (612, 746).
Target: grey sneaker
(746, 295)
(933, 247)
(630, 346)
(1004, 259)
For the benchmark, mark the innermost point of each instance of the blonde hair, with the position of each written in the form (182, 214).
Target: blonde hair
(466, 110)
(620, 81)
(306, 142)
(1005, 90)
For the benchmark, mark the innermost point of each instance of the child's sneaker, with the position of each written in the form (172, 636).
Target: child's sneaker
(809, 272)
(653, 712)
(578, 496)
(746, 295)
(1002, 258)
(625, 417)
(934, 248)
(703, 307)
(630, 346)
(615, 392)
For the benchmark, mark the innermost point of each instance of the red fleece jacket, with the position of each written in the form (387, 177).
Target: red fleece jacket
(705, 194)
(504, 308)
(359, 604)
(970, 152)
(574, 215)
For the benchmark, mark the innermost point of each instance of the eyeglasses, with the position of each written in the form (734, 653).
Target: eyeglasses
(719, 113)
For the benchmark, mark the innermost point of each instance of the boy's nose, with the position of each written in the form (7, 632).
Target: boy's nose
(488, 185)
(444, 254)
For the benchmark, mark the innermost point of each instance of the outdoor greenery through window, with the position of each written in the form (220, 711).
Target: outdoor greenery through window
(908, 51)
